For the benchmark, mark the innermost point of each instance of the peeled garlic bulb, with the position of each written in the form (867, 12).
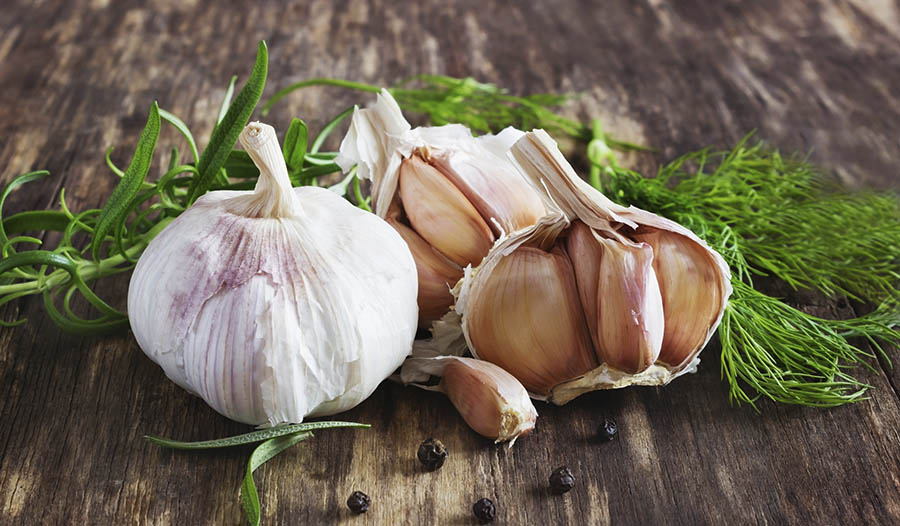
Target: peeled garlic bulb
(450, 194)
(491, 401)
(647, 292)
(276, 304)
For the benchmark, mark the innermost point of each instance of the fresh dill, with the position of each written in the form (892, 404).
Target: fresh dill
(780, 217)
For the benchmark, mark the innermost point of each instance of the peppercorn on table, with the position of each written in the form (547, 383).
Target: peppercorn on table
(77, 77)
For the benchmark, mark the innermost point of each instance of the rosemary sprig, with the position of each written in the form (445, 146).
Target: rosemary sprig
(262, 454)
(273, 440)
(252, 437)
(774, 216)
(99, 243)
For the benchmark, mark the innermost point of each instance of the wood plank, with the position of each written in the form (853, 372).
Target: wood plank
(77, 77)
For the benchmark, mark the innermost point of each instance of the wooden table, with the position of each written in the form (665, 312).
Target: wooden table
(77, 77)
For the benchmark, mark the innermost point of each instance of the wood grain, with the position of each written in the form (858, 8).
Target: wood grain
(76, 77)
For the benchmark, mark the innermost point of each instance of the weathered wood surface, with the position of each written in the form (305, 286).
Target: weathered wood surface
(76, 77)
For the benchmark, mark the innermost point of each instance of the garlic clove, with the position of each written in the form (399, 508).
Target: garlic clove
(630, 319)
(489, 399)
(585, 253)
(689, 285)
(436, 273)
(527, 319)
(441, 214)
(620, 297)
(502, 197)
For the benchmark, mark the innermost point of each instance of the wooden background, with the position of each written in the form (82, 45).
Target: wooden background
(77, 77)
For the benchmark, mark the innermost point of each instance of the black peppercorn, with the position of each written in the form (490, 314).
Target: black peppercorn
(358, 502)
(484, 510)
(432, 454)
(608, 430)
(561, 480)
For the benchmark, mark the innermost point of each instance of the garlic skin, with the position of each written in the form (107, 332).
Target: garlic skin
(276, 304)
(651, 293)
(491, 401)
(439, 185)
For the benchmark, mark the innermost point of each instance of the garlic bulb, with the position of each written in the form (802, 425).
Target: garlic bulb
(450, 195)
(489, 399)
(595, 295)
(275, 304)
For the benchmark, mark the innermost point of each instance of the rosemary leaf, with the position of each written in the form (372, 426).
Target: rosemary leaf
(183, 129)
(226, 100)
(12, 185)
(35, 220)
(294, 147)
(249, 438)
(121, 198)
(225, 135)
(262, 454)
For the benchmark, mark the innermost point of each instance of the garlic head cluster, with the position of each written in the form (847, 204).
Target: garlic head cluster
(594, 295)
(276, 304)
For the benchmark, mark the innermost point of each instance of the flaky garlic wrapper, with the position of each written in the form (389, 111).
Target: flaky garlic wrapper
(594, 296)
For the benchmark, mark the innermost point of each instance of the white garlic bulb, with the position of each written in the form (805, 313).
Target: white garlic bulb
(275, 304)
(450, 195)
(593, 296)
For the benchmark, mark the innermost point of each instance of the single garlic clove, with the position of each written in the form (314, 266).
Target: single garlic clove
(691, 294)
(585, 253)
(630, 320)
(490, 400)
(436, 273)
(527, 319)
(441, 214)
(502, 197)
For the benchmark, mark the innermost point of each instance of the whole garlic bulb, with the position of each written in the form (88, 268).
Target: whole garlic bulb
(275, 304)
(450, 195)
(595, 295)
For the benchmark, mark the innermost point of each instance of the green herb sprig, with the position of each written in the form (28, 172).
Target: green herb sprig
(96, 244)
(780, 217)
(481, 107)
(272, 441)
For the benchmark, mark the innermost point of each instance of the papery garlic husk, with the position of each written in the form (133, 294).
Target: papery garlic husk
(628, 265)
(491, 401)
(276, 304)
(449, 194)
